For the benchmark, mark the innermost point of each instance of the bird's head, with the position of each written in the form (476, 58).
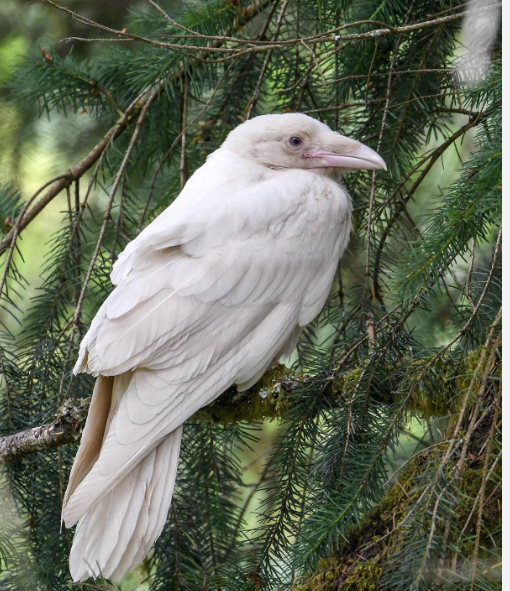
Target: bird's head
(294, 140)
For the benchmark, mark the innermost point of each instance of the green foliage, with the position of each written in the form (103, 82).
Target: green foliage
(56, 83)
(471, 209)
(327, 517)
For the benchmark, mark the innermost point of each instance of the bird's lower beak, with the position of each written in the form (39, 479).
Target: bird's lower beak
(349, 154)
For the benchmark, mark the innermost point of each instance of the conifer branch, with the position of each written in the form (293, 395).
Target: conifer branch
(432, 158)
(132, 111)
(65, 428)
(266, 400)
(368, 367)
(255, 47)
(65, 180)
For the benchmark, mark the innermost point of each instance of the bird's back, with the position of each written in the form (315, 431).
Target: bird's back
(206, 296)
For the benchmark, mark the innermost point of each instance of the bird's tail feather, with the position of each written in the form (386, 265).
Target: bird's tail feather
(117, 532)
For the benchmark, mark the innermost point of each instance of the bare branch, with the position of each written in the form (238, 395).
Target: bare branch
(265, 65)
(71, 175)
(66, 428)
(256, 47)
(132, 111)
(379, 143)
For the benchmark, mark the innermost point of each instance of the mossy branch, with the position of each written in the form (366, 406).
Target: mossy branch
(371, 549)
(267, 399)
(270, 398)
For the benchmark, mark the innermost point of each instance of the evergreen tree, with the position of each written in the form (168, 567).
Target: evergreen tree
(163, 89)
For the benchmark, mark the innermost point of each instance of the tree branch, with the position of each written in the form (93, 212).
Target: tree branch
(74, 173)
(267, 399)
(65, 428)
(270, 398)
(204, 52)
(65, 180)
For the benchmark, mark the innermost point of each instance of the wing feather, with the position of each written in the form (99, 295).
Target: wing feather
(207, 296)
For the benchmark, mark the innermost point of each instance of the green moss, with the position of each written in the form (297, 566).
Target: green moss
(355, 576)
(364, 577)
(269, 398)
(469, 485)
(348, 382)
(441, 391)
(360, 561)
(344, 570)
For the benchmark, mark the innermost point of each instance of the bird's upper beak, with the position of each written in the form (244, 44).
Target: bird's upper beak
(338, 151)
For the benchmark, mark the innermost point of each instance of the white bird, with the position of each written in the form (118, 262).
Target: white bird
(207, 296)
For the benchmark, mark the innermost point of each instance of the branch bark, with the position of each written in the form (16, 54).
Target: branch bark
(270, 398)
(65, 428)
(267, 399)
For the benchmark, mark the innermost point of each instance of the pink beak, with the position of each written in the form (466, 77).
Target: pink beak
(347, 153)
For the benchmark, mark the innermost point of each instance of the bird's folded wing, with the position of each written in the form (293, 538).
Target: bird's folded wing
(191, 287)
(195, 311)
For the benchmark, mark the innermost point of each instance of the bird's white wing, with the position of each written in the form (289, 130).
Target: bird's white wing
(206, 298)
(222, 260)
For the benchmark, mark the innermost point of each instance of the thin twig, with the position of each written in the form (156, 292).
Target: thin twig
(379, 144)
(467, 287)
(267, 59)
(120, 126)
(314, 60)
(65, 180)
(106, 217)
(490, 439)
(183, 169)
(328, 36)
(175, 143)
(20, 223)
(432, 158)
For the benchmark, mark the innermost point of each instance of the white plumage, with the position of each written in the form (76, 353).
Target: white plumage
(207, 296)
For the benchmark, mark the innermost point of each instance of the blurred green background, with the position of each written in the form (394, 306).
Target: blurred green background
(35, 147)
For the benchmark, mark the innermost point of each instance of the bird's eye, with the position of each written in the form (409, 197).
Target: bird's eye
(295, 141)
